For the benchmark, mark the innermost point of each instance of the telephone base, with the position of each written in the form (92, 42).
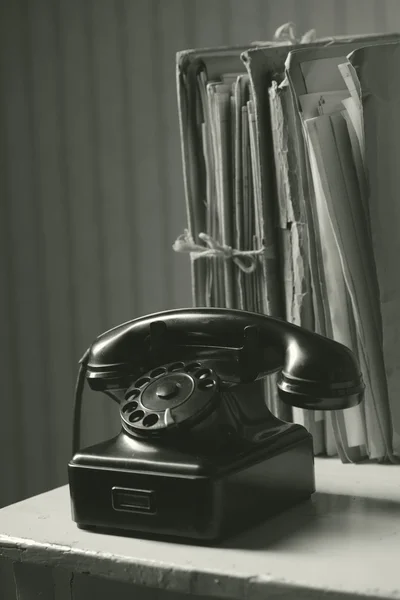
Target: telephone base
(115, 487)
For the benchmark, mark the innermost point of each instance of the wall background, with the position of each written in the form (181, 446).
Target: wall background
(91, 193)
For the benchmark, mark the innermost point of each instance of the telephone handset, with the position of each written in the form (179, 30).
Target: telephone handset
(196, 431)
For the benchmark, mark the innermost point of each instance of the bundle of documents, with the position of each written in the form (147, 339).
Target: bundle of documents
(290, 158)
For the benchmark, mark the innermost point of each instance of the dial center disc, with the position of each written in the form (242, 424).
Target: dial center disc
(168, 391)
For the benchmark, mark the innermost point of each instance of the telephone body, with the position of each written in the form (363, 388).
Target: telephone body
(199, 455)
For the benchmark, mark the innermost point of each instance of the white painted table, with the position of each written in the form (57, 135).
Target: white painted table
(345, 543)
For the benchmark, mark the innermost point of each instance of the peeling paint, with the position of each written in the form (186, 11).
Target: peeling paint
(71, 584)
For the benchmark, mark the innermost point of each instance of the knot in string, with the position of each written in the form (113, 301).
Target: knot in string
(286, 34)
(245, 259)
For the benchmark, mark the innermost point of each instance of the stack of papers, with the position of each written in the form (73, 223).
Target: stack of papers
(291, 175)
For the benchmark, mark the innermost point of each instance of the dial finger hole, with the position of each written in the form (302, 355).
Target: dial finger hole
(192, 367)
(130, 406)
(178, 366)
(150, 420)
(206, 384)
(136, 416)
(157, 372)
(142, 381)
(203, 373)
(133, 393)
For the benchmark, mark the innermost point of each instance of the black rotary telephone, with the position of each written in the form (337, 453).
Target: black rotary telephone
(199, 454)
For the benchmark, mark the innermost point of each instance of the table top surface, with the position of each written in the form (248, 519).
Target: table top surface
(345, 540)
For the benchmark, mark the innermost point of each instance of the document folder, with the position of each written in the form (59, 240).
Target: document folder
(290, 163)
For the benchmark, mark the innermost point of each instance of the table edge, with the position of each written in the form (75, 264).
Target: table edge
(172, 578)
